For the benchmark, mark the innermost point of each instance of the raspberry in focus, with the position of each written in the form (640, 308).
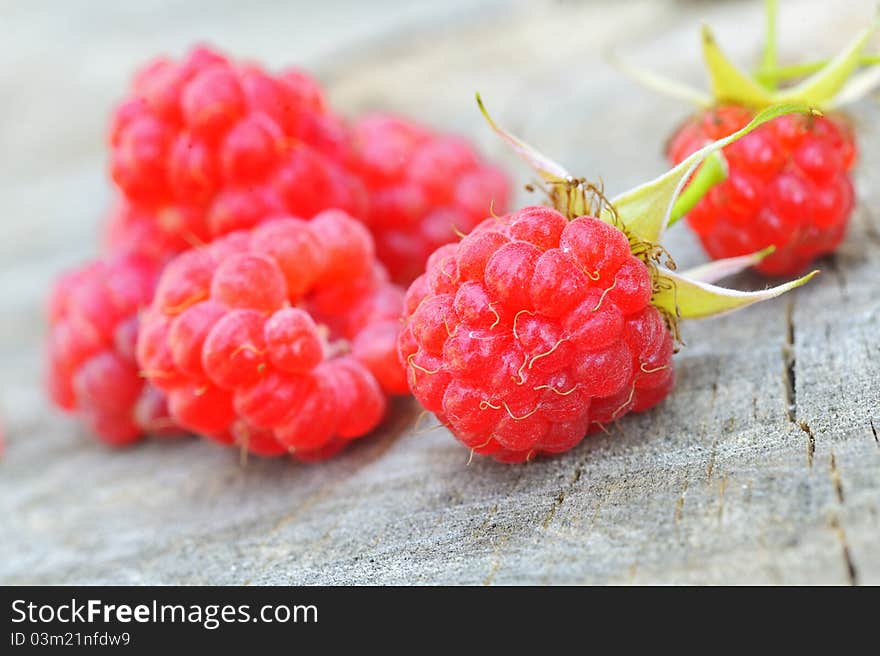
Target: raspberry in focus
(533, 331)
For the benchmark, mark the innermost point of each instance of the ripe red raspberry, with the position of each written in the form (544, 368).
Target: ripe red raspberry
(281, 339)
(788, 186)
(533, 331)
(788, 182)
(423, 187)
(93, 326)
(205, 146)
(131, 228)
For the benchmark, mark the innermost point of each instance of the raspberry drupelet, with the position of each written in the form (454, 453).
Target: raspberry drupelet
(787, 186)
(281, 339)
(423, 188)
(534, 331)
(204, 146)
(93, 327)
(545, 324)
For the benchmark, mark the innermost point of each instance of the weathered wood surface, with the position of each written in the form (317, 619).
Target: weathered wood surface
(764, 465)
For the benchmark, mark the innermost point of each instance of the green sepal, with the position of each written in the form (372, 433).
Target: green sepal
(821, 88)
(856, 88)
(646, 210)
(828, 86)
(717, 269)
(661, 84)
(643, 214)
(571, 196)
(728, 82)
(685, 298)
(550, 171)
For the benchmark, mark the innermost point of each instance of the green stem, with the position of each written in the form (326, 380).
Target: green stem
(712, 172)
(769, 58)
(800, 70)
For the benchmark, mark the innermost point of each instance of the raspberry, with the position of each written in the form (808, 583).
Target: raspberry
(281, 339)
(205, 146)
(93, 326)
(533, 331)
(788, 186)
(423, 187)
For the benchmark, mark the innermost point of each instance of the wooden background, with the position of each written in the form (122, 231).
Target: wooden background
(763, 466)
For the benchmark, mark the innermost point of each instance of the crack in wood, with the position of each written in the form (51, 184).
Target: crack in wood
(789, 362)
(711, 467)
(835, 479)
(560, 498)
(496, 564)
(600, 503)
(811, 441)
(679, 504)
(852, 574)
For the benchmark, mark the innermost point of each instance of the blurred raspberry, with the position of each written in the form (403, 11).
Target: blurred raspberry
(205, 146)
(281, 339)
(423, 187)
(788, 186)
(93, 326)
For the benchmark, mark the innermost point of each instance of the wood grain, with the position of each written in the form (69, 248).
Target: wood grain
(763, 466)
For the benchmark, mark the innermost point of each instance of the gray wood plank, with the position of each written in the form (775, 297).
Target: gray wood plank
(763, 466)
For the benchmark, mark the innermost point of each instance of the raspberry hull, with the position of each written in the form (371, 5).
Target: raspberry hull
(534, 331)
(423, 188)
(205, 146)
(93, 326)
(788, 186)
(281, 339)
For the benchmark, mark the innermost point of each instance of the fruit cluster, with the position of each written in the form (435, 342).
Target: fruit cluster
(266, 226)
(249, 290)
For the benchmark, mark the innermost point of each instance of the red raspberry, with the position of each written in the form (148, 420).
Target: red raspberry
(532, 331)
(93, 326)
(132, 228)
(423, 188)
(788, 186)
(205, 146)
(282, 338)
